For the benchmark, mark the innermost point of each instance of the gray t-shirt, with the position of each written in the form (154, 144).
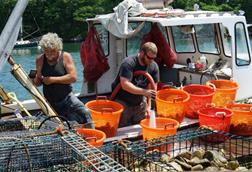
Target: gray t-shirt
(127, 69)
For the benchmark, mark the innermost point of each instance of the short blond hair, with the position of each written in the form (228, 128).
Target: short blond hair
(149, 46)
(52, 41)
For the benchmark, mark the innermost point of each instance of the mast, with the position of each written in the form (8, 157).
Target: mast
(21, 29)
(8, 38)
(10, 32)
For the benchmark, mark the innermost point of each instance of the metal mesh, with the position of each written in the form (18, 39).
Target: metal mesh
(146, 155)
(95, 159)
(11, 125)
(33, 152)
(45, 150)
(33, 122)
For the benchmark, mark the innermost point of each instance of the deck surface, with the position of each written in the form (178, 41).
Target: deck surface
(136, 130)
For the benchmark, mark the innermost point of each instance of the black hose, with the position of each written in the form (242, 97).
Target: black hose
(61, 117)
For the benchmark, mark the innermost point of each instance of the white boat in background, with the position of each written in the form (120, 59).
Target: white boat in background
(23, 42)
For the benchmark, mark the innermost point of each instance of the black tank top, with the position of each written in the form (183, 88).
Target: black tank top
(55, 92)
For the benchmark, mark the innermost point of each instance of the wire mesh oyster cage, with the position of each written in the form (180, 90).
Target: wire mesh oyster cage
(27, 123)
(200, 149)
(43, 150)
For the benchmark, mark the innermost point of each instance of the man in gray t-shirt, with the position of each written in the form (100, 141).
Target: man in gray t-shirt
(135, 88)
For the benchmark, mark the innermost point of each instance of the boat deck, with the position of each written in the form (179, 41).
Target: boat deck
(135, 131)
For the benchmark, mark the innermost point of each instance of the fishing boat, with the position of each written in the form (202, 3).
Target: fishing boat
(221, 37)
(207, 44)
(23, 42)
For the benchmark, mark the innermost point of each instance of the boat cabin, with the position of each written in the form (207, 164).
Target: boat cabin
(219, 40)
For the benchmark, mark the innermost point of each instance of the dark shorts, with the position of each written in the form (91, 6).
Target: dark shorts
(132, 114)
(73, 110)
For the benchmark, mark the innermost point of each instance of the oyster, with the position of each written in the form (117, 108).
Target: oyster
(232, 165)
(213, 155)
(165, 158)
(176, 166)
(199, 153)
(186, 154)
(198, 167)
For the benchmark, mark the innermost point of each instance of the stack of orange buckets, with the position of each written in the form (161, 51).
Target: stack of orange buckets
(217, 116)
(170, 112)
(204, 102)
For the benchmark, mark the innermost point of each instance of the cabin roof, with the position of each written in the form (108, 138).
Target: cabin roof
(188, 18)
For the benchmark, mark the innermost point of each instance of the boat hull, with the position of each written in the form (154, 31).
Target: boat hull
(31, 44)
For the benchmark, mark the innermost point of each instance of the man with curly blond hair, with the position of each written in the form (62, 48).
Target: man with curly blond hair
(56, 72)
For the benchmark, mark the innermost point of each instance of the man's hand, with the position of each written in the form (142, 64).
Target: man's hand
(47, 80)
(37, 80)
(147, 114)
(150, 93)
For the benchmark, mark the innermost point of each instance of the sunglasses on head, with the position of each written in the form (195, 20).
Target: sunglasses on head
(149, 57)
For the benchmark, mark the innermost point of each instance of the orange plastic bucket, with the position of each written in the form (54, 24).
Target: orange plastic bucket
(225, 91)
(106, 115)
(200, 96)
(171, 103)
(164, 127)
(92, 136)
(241, 122)
(215, 118)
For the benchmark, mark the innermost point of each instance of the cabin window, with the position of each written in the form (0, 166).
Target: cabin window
(241, 45)
(133, 43)
(226, 39)
(183, 39)
(207, 38)
(104, 37)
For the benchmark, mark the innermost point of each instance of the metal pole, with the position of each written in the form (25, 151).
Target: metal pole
(9, 34)
(18, 72)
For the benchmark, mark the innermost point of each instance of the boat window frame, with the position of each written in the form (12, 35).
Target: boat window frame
(184, 52)
(166, 33)
(218, 43)
(223, 48)
(244, 31)
(108, 34)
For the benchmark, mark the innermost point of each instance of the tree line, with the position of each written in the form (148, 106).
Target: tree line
(67, 17)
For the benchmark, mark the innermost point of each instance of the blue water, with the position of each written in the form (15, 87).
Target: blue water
(26, 58)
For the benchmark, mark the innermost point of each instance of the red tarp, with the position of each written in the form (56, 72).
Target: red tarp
(165, 54)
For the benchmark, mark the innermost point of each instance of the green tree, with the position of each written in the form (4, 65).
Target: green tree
(68, 17)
